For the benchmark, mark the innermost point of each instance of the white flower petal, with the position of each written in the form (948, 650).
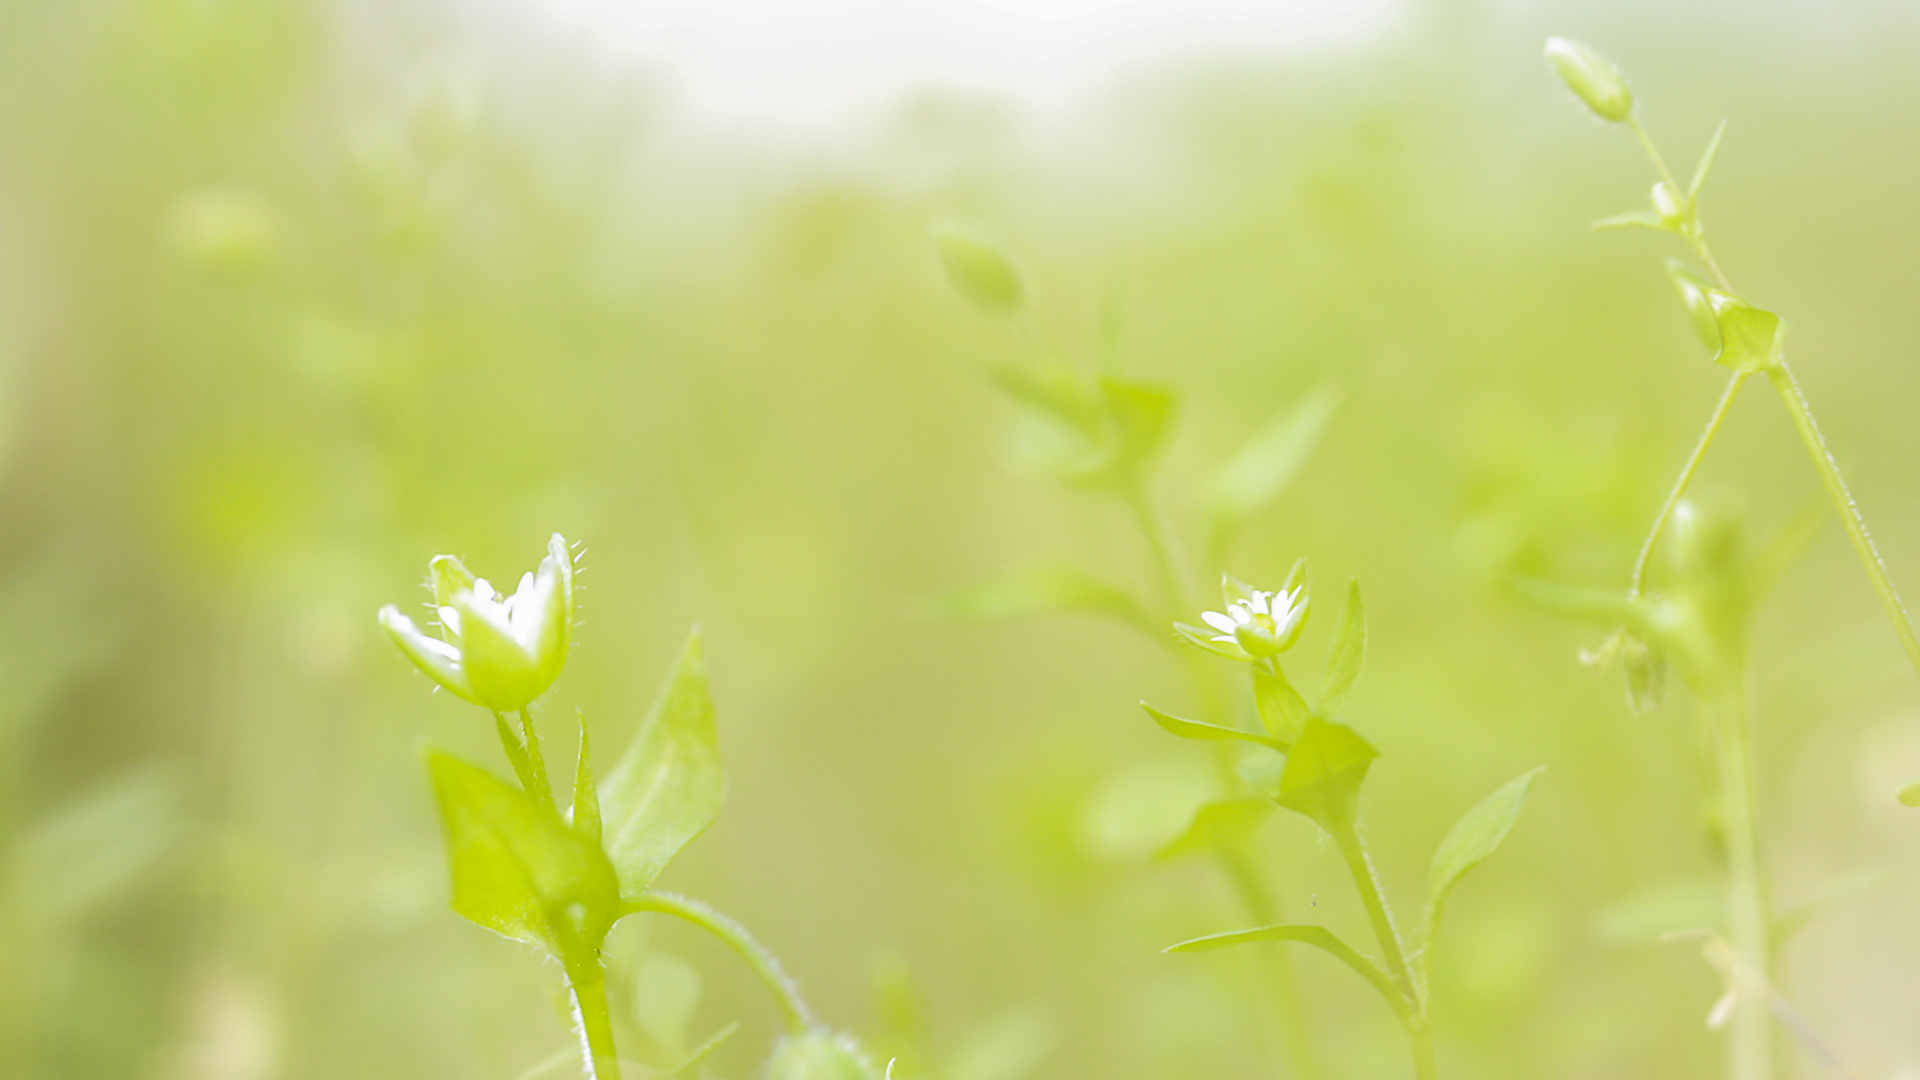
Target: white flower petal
(1222, 623)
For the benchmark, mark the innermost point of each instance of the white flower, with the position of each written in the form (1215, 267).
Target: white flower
(499, 653)
(1261, 623)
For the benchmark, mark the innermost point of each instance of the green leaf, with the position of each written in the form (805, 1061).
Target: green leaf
(1749, 336)
(1200, 729)
(1045, 590)
(1317, 936)
(1141, 415)
(1282, 709)
(1324, 772)
(1057, 390)
(586, 799)
(1473, 838)
(1348, 653)
(1268, 462)
(1632, 219)
(979, 269)
(1701, 170)
(518, 870)
(1224, 824)
(667, 788)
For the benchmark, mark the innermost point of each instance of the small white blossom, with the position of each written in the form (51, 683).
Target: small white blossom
(497, 652)
(1262, 623)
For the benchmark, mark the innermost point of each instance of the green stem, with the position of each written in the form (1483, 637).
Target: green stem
(588, 984)
(540, 788)
(1692, 235)
(1367, 880)
(1751, 1049)
(799, 1017)
(1266, 911)
(1420, 1037)
(1686, 478)
(1796, 399)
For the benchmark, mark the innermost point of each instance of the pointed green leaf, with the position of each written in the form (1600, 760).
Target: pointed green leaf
(1200, 729)
(586, 799)
(1473, 838)
(979, 269)
(1348, 653)
(1267, 463)
(1282, 709)
(1632, 219)
(518, 870)
(1324, 772)
(1317, 936)
(1045, 590)
(667, 788)
(1224, 824)
(1749, 336)
(1701, 170)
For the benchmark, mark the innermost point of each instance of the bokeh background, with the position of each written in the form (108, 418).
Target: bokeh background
(295, 294)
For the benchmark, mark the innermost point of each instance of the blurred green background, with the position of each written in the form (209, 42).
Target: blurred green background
(297, 293)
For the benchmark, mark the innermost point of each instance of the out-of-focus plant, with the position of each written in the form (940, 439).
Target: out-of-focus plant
(1325, 764)
(560, 879)
(1698, 622)
(1106, 435)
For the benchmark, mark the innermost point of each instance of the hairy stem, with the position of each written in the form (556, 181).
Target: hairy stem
(588, 986)
(541, 789)
(1683, 481)
(1367, 880)
(1796, 399)
(799, 1017)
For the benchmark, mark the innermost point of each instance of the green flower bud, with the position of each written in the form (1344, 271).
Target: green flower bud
(1668, 204)
(1697, 294)
(820, 1055)
(1593, 78)
(499, 653)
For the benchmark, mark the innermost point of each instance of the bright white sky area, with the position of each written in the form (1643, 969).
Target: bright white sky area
(814, 60)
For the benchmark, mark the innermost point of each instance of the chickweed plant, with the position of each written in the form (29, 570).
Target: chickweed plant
(559, 879)
(1696, 621)
(1102, 433)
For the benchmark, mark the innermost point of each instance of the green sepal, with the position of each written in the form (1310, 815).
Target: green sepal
(1296, 575)
(1200, 729)
(1224, 824)
(585, 818)
(1323, 775)
(1475, 836)
(518, 870)
(1317, 936)
(449, 576)
(1202, 637)
(668, 785)
(1282, 709)
(1348, 653)
(820, 1055)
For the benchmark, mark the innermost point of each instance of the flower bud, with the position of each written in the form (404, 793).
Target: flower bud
(1670, 207)
(1593, 78)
